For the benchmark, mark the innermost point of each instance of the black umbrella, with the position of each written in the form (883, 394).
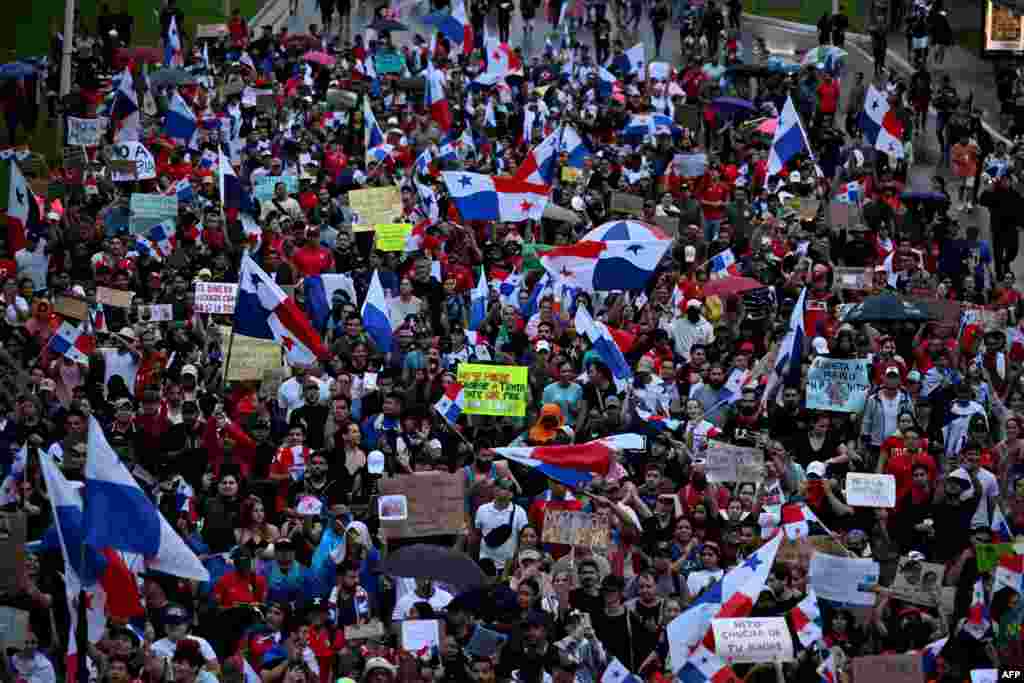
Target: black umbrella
(388, 25)
(424, 561)
(888, 308)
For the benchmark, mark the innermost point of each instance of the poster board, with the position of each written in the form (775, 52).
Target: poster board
(726, 462)
(854, 279)
(118, 298)
(69, 307)
(435, 504)
(918, 582)
(500, 390)
(751, 640)
(251, 357)
(211, 31)
(149, 210)
(369, 631)
(421, 634)
(624, 202)
(374, 205)
(84, 132)
(156, 313)
(575, 528)
(216, 297)
(870, 490)
(145, 164)
(13, 534)
(392, 236)
(889, 668)
(838, 385)
(846, 580)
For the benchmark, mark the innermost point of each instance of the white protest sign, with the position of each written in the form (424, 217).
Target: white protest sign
(84, 132)
(870, 490)
(418, 634)
(987, 675)
(149, 210)
(156, 313)
(144, 161)
(843, 579)
(216, 297)
(753, 639)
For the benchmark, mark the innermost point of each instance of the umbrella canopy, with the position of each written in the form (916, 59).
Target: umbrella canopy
(388, 25)
(887, 308)
(731, 286)
(625, 230)
(733, 105)
(16, 70)
(424, 561)
(172, 76)
(319, 57)
(554, 212)
(303, 40)
(924, 197)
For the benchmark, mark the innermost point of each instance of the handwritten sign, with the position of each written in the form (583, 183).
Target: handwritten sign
(845, 580)
(368, 631)
(854, 279)
(582, 529)
(70, 307)
(435, 504)
(753, 639)
(889, 668)
(374, 206)
(250, 357)
(494, 389)
(726, 462)
(870, 490)
(918, 582)
(145, 164)
(838, 385)
(156, 313)
(117, 298)
(392, 236)
(84, 132)
(148, 210)
(264, 187)
(212, 31)
(216, 297)
(624, 202)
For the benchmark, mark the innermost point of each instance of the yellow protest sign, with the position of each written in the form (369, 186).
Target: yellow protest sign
(250, 357)
(374, 206)
(570, 174)
(392, 236)
(494, 389)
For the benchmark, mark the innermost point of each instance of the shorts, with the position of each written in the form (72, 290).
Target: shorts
(921, 104)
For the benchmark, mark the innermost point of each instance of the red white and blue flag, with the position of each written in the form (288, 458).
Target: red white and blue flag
(180, 122)
(73, 342)
(452, 403)
(480, 197)
(603, 266)
(881, 126)
(436, 99)
(124, 111)
(9, 489)
(723, 265)
(978, 623)
(850, 193)
(1010, 573)
(806, 619)
(605, 346)
(572, 465)
(454, 26)
(1001, 532)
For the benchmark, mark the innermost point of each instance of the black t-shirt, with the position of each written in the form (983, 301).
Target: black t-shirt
(591, 604)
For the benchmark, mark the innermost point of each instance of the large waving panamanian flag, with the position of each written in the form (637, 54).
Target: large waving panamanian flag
(880, 124)
(454, 26)
(790, 139)
(264, 311)
(604, 266)
(605, 346)
(124, 110)
(180, 122)
(788, 360)
(539, 165)
(572, 465)
(480, 197)
(73, 342)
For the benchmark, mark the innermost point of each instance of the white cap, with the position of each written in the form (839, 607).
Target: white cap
(53, 216)
(820, 346)
(690, 253)
(375, 462)
(817, 467)
(794, 177)
(577, 204)
(694, 302)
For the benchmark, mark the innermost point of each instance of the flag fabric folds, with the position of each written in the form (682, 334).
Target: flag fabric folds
(602, 266)
(481, 197)
(790, 139)
(377, 316)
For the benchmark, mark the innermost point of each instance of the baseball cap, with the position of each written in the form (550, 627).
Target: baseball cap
(379, 663)
(913, 376)
(542, 345)
(817, 468)
(892, 370)
(694, 303)
(176, 614)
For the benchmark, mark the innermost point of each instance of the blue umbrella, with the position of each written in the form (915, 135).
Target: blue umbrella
(730, 106)
(924, 197)
(15, 70)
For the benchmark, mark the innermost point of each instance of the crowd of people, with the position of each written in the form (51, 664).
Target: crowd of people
(274, 483)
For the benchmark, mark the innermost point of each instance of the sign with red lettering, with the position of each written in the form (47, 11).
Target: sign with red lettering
(216, 297)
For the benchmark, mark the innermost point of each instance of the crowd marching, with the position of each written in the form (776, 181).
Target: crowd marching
(384, 356)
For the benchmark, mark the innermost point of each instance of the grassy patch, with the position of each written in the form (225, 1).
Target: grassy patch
(794, 14)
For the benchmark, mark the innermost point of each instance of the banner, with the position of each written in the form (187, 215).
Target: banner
(726, 462)
(392, 236)
(145, 164)
(435, 504)
(374, 206)
(753, 639)
(216, 297)
(846, 580)
(494, 389)
(570, 527)
(889, 668)
(148, 210)
(251, 357)
(84, 132)
(918, 582)
(838, 385)
(263, 188)
(118, 298)
(870, 490)
(156, 313)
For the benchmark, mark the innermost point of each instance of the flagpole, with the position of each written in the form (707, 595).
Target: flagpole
(231, 343)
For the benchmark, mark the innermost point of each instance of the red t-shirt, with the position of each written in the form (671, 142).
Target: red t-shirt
(717, 192)
(312, 261)
(234, 589)
(900, 466)
(828, 97)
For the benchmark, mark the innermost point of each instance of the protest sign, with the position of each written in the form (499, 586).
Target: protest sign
(145, 164)
(392, 236)
(84, 132)
(250, 357)
(809, 208)
(918, 582)
(70, 307)
(393, 508)
(855, 279)
(216, 297)
(156, 313)
(485, 642)
(368, 631)
(118, 298)
(889, 668)
(624, 202)
(988, 554)
(845, 580)
(389, 62)
(726, 462)
(435, 504)
(494, 389)
(987, 318)
(870, 490)
(691, 165)
(14, 625)
(570, 174)
(570, 527)
(13, 533)
(211, 31)
(263, 188)
(75, 158)
(838, 385)
(148, 210)
(421, 634)
(753, 639)
(374, 205)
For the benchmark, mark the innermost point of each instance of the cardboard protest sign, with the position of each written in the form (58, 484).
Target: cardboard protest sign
(117, 298)
(838, 385)
(70, 307)
(494, 389)
(263, 188)
(13, 533)
(569, 527)
(374, 206)
(211, 31)
(145, 164)
(216, 297)
(14, 625)
(870, 490)
(918, 582)
(753, 639)
(435, 504)
(624, 202)
(847, 580)
(854, 279)
(392, 236)
(148, 210)
(84, 132)
(889, 668)
(156, 313)
(368, 631)
(726, 462)
(250, 357)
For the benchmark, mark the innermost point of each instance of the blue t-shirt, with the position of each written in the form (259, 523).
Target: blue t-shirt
(565, 397)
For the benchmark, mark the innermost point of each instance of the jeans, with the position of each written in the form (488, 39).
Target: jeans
(711, 226)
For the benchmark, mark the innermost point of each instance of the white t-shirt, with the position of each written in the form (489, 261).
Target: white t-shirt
(165, 648)
(989, 483)
(890, 418)
(439, 600)
(121, 363)
(21, 306)
(34, 264)
(701, 579)
(39, 669)
(289, 395)
(488, 518)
